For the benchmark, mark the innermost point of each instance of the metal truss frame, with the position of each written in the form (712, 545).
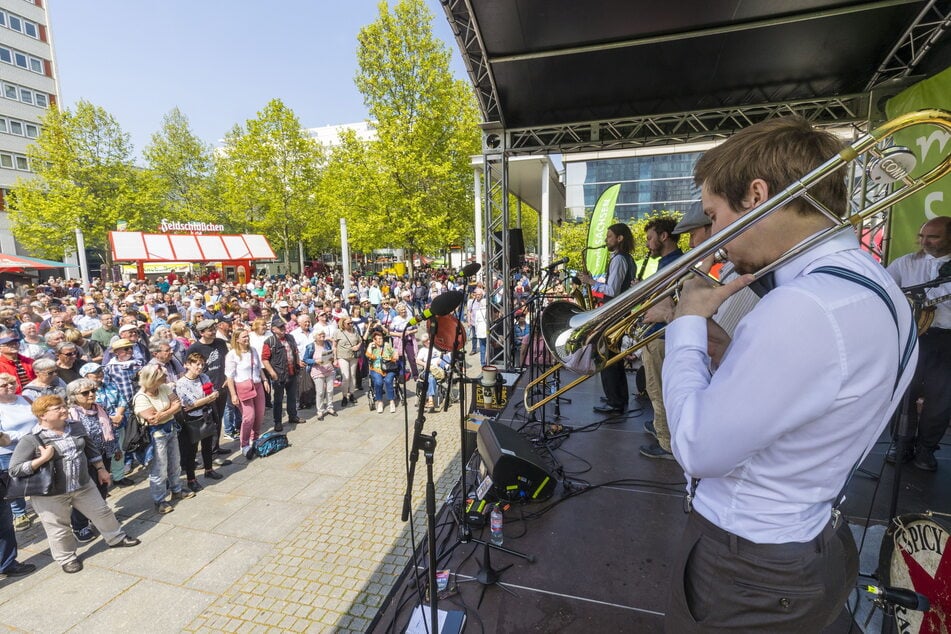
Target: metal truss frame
(496, 212)
(914, 43)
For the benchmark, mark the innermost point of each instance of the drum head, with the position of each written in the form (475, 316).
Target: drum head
(914, 555)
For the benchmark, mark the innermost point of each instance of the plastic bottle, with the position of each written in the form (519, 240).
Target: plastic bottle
(495, 526)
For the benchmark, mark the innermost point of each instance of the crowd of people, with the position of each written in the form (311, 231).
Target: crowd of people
(161, 373)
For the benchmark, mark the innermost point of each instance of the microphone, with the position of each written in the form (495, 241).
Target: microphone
(470, 269)
(908, 599)
(556, 264)
(443, 304)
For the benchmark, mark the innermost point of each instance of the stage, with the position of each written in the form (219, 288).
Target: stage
(603, 546)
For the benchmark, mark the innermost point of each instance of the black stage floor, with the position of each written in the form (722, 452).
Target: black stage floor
(602, 557)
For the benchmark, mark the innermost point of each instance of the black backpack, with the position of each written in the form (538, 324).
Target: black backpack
(270, 443)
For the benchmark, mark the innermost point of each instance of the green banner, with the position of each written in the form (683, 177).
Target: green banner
(601, 218)
(929, 144)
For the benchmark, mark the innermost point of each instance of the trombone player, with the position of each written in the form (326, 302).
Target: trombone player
(620, 242)
(769, 439)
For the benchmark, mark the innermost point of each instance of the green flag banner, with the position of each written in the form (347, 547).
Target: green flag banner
(596, 259)
(929, 144)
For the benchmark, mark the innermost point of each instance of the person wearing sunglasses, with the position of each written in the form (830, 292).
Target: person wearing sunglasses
(46, 381)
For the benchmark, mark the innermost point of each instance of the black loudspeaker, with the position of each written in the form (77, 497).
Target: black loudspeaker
(516, 246)
(516, 470)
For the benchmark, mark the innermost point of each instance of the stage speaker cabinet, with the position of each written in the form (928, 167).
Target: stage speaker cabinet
(510, 460)
(516, 246)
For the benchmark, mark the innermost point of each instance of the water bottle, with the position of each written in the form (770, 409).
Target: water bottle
(495, 526)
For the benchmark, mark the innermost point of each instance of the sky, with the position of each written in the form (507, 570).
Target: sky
(218, 61)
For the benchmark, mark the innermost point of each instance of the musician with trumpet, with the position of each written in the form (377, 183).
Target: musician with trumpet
(769, 439)
(932, 382)
(620, 242)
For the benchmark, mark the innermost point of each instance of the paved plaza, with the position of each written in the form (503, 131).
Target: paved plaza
(306, 540)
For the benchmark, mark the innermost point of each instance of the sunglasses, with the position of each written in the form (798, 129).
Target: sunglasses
(87, 392)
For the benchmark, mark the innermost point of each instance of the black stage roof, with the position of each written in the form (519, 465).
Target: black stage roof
(551, 63)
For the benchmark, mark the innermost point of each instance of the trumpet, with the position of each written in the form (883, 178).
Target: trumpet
(589, 341)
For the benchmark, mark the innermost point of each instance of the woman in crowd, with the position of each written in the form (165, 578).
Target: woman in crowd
(163, 334)
(31, 344)
(89, 350)
(72, 453)
(111, 399)
(347, 343)
(246, 387)
(156, 405)
(183, 334)
(383, 361)
(197, 394)
(16, 421)
(46, 382)
(403, 336)
(319, 357)
(81, 396)
(259, 332)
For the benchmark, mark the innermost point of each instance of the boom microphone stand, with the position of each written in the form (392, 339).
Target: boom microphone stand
(443, 304)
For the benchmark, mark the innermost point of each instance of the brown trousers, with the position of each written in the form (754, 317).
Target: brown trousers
(724, 583)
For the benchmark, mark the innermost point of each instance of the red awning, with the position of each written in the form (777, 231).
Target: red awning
(135, 246)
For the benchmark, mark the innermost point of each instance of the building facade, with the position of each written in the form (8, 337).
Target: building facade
(28, 87)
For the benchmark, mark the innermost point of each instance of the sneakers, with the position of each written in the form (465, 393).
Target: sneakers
(72, 566)
(656, 451)
(649, 428)
(164, 507)
(84, 535)
(126, 542)
(194, 486)
(429, 403)
(22, 522)
(230, 435)
(379, 407)
(924, 460)
(16, 569)
(392, 407)
(182, 495)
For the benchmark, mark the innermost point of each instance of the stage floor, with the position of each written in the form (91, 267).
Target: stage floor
(603, 556)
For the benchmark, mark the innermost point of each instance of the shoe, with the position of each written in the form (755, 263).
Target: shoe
(248, 453)
(295, 421)
(125, 482)
(924, 460)
(603, 399)
(22, 523)
(214, 475)
(331, 412)
(194, 486)
(392, 407)
(892, 454)
(16, 569)
(164, 507)
(278, 427)
(607, 409)
(221, 462)
(649, 428)
(656, 451)
(230, 435)
(84, 535)
(379, 407)
(72, 566)
(343, 403)
(126, 542)
(353, 399)
(222, 452)
(320, 416)
(182, 495)
(430, 404)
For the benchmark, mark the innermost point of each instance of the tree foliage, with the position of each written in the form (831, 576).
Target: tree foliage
(411, 186)
(84, 178)
(182, 167)
(269, 174)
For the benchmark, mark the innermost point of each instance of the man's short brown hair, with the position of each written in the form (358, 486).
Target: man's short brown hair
(779, 151)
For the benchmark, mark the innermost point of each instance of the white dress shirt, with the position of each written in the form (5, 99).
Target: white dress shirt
(918, 268)
(802, 393)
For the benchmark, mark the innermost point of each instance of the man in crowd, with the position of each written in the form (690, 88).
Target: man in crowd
(282, 365)
(932, 382)
(214, 350)
(14, 363)
(769, 439)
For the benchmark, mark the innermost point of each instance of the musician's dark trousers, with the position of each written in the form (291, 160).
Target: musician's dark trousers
(614, 383)
(932, 383)
(724, 583)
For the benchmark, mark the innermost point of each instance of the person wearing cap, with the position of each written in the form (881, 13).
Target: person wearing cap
(282, 364)
(214, 350)
(286, 316)
(122, 368)
(130, 332)
(46, 382)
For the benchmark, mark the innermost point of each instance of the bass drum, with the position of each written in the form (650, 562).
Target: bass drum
(914, 555)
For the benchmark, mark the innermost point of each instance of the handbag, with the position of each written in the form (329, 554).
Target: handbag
(40, 483)
(389, 366)
(198, 428)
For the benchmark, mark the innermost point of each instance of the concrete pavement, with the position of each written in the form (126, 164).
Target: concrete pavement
(306, 540)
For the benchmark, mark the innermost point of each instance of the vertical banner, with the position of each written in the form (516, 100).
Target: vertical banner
(602, 217)
(929, 144)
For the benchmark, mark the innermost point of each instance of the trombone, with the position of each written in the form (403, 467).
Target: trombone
(589, 341)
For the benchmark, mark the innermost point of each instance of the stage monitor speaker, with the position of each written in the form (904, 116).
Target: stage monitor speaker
(516, 246)
(516, 470)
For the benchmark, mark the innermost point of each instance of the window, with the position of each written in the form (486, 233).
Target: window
(36, 65)
(6, 161)
(26, 96)
(3, 18)
(22, 163)
(30, 29)
(15, 23)
(41, 100)
(16, 128)
(10, 92)
(6, 56)
(20, 60)
(32, 131)
(3, 125)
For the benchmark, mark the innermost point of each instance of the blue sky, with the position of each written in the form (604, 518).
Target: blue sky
(219, 61)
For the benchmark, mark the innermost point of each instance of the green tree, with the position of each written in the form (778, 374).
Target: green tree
(84, 178)
(269, 174)
(182, 167)
(414, 180)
